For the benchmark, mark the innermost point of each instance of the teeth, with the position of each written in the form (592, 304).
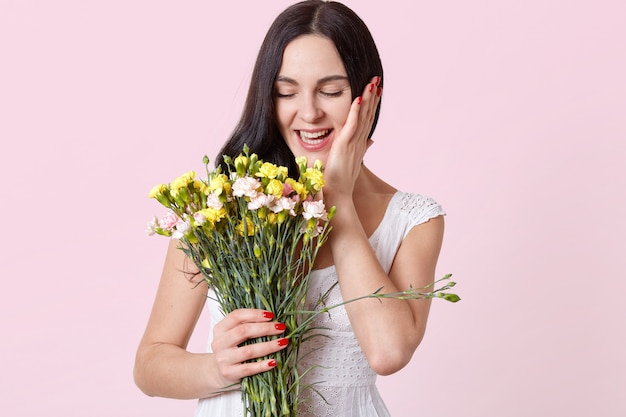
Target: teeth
(310, 137)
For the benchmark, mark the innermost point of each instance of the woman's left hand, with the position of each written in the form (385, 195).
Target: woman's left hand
(349, 146)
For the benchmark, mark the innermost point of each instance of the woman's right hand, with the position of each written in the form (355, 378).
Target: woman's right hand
(231, 360)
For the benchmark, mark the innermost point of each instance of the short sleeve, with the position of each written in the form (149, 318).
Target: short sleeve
(405, 211)
(418, 209)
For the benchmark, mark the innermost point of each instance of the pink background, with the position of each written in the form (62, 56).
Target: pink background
(511, 113)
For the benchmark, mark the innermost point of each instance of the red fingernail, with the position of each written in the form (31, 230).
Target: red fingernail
(280, 326)
(372, 87)
(271, 363)
(359, 99)
(283, 342)
(377, 81)
(268, 315)
(379, 92)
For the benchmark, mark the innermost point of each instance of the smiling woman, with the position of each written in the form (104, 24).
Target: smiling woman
(313, 96)
(351, 42)
(315, 92)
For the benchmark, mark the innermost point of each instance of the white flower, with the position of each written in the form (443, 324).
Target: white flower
(260, 200)
(182, 227)
(152, 226)
(213, 201)
(284, 203)
(314, 209)
(314, 230)
(199, 218)
(246, 186)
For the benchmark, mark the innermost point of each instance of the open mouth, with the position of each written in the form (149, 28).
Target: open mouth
(314, 138)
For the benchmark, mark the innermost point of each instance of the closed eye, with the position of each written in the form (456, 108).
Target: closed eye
(332, 94)
(281, 95)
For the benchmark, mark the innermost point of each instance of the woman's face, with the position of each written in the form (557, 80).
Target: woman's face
(313, 96)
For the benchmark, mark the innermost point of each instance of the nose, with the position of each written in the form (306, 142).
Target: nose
(310, 110)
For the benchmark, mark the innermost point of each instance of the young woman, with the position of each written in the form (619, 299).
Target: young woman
(315, 91)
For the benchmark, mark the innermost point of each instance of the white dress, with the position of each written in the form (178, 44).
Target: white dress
(345, 380)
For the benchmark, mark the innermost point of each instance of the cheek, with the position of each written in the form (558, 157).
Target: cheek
(341, 111)
(282, 116)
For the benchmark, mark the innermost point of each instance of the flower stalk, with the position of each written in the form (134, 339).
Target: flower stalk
(254, 233)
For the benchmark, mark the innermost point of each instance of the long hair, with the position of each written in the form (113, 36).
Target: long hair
(257, 127)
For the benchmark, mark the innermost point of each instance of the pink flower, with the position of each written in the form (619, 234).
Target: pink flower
(168, 221)
(314, 209)
(287, 189)
(246, 186)
(260, 200)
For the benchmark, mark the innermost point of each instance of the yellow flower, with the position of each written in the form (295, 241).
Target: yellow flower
(241, 160)
(178, 188)
(272, 218)
(161, 194)
(184, 180)
(213, 215)
(200, 186)
(283, 173)
(180, 196)
(267, 170)
(157, 190)
(315, 178)
(275, 188)
(297, 186)
(241, 228)
(302, 163)
(241, 165)
(219, 184)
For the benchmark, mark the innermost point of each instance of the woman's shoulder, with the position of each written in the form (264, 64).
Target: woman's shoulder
(397, 207)
(414, 208)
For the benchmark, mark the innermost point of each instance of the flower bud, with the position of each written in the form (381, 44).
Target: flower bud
(331, 212)
(302, 163)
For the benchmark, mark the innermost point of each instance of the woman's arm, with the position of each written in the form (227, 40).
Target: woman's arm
(387, 331)
(163, 366)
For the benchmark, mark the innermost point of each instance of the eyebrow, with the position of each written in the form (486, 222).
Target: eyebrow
(329, 78)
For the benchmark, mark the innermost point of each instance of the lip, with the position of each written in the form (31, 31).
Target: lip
(318, 145)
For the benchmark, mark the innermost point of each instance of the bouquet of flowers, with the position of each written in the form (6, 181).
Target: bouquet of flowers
(254, 234)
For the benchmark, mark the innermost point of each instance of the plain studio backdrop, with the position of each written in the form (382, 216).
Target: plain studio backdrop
(512, 114)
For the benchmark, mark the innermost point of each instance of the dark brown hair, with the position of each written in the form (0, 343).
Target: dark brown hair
(257, 127)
